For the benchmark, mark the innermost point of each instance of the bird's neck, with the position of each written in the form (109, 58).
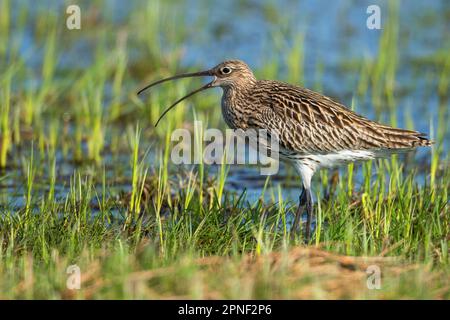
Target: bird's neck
(237, 92)
(234, 101)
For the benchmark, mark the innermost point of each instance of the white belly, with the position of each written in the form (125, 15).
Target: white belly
(307, 164)
(330, 160)
(342, 157)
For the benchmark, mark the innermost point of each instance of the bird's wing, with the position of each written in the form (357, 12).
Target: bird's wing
(307, 121)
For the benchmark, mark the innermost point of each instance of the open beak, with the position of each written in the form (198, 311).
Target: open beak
(184, 75)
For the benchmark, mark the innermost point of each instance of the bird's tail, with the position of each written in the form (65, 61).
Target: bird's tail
(405, 139)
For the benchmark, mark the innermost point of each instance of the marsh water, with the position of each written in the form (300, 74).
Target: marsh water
(322, 45)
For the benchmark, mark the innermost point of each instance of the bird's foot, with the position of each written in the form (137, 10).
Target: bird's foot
(302, 228)
(305, 204)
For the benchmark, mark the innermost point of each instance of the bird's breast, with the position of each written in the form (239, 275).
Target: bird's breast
(232, 112)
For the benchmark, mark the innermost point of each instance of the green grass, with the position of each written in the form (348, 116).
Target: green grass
(88, 180)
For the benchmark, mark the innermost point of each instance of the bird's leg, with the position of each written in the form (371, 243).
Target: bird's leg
(300, 209)
(305, 203)
(306, 170)
(309, 213)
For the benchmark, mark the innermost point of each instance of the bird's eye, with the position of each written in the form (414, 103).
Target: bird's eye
(225, 70)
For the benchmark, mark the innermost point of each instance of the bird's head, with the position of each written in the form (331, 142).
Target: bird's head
(232, 73)
(228, 74)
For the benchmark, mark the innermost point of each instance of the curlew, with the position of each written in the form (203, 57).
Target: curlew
(314, 131)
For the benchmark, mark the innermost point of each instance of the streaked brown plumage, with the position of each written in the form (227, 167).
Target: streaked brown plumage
(314, 131)
(307, 121)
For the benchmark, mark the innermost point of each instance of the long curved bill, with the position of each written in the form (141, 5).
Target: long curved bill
(184, 75)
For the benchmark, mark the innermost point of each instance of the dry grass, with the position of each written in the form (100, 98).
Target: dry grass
(300, 273)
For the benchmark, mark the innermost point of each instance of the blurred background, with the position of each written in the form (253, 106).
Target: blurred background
(72, 92)
(86, 178)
